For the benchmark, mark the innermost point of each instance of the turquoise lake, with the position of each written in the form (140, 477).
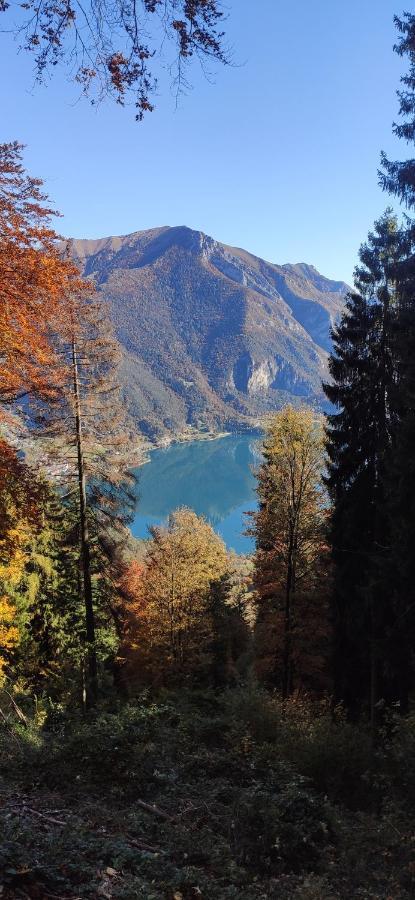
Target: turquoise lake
(214, 478)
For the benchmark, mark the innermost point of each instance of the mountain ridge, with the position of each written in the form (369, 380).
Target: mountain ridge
(213, 337)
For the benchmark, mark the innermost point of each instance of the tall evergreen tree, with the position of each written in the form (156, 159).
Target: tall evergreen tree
(361, 436)
(398, 178)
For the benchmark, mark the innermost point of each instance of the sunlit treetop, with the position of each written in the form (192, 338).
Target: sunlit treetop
(35, 283)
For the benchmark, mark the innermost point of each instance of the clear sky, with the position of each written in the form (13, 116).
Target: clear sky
(279, 155)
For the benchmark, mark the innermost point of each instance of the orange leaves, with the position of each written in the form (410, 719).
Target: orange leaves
(117, 64)
(19, 512)
(131, 580)
(100, 29)
(35, 282)
(131, 587)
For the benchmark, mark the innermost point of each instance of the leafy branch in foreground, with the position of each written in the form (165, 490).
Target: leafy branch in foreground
(111, 45)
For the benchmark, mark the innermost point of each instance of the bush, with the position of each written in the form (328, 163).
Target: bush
(283, 831)
(396, 757)
(239, 781)
(317, 741)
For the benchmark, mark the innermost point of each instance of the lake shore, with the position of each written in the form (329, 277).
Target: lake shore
(214, 477)
(187, 437)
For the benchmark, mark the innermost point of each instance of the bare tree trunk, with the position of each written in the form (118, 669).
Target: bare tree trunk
(373, 692)
(91, 680)
(287, 620)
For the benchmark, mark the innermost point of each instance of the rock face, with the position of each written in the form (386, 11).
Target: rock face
(213, 336)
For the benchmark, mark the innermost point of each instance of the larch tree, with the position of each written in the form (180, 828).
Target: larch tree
(288, 528)
(58, 352)
(34, 282)
(171, 624)
(20, 518)
(112, 47)
(86, 432)
(40, 602)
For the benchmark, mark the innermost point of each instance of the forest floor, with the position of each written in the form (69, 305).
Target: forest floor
(200, 796)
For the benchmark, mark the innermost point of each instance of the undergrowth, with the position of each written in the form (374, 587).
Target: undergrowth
(197, 795)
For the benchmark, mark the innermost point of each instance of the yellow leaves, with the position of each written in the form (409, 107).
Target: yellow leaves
(20, 499)
(294, 435)
(13, 553)
(33, 582)
(9, 633)
(291, 560)
(182, 562)
(170, 625)
(7, 614)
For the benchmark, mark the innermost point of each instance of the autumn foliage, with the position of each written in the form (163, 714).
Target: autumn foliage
(292, 556)
(184, 607)
(111, 47)
(57, 353)
(35, 282)
(19, 518)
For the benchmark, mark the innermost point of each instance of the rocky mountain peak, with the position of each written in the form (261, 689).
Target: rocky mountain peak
(213, 336)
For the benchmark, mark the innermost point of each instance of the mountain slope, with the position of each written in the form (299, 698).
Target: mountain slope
(213, 336)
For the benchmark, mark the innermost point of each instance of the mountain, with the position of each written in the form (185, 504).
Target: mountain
(213, 337)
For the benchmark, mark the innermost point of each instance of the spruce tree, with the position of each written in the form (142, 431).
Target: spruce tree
(361, 435)
(398, 178)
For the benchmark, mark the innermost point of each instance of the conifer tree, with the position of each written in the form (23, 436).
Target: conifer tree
(86, 431)
(38, 578)
(361, 436)
(34, 282)
(289, 534)
(397, 177)
(175, 602)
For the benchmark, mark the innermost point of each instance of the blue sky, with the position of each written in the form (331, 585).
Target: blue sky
(279, 155)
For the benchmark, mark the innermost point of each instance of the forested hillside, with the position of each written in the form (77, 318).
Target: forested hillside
(177, 721)
(213, 336)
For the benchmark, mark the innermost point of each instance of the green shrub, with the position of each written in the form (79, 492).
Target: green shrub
(282, 831)
(317, 741)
